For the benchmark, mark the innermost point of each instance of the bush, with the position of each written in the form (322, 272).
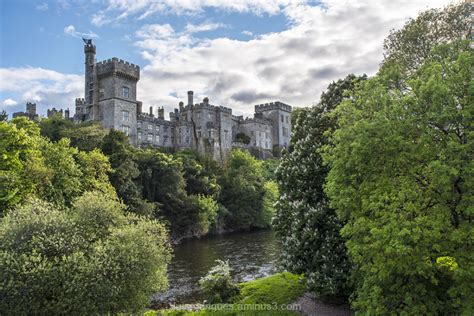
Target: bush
(90, 259)
(217, 285)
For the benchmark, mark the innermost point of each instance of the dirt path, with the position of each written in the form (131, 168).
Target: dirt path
(310, 305)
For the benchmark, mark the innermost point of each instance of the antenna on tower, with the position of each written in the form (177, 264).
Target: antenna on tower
(87, 41)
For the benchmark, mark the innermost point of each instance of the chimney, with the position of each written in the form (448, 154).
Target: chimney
(66, 113)
(206, 101)
(139, 107)
(181, 104)
(161, 113)
(190, 98)
(151, 111)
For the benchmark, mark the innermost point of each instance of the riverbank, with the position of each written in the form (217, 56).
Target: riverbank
(279, 294)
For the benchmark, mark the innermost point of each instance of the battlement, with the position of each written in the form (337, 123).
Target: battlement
(272, 106)
(249, 120)
(80, 102)
(118, 66)
(146, 117)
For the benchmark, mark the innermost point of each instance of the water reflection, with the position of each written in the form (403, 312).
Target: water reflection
(250, 254)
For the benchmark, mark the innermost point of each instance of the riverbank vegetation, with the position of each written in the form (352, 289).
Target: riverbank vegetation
(376, 203)
(87, 220)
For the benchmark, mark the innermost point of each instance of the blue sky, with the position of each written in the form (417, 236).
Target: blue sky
(237, 52)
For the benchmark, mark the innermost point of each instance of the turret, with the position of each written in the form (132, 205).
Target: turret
(190, 98)
(89, 51)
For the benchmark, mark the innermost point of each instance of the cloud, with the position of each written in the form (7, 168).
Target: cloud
(9, 102)
(204, 27)
(99, 19)
(45, 87)
(155, 31)
(322, 43)
(121, 9)
(71, 30)
(248, 33)
(42, 7)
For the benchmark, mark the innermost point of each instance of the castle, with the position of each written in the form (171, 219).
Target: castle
(111, 99)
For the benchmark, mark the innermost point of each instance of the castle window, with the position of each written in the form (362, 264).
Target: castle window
(157, 128)
(187, 139)
(139, 124)
(266, 144)
(282, 119)
(210, 134)
(125, 92)
(126, 129)
(252, 133)
(198, 115)
(225, 134)
(139, 135)
(287, 119)
(150, 138)
(150, 127)
(101, 93)
(125, 116)
(157, 139)
(267, 136)
(199, 133)
(260, 134)
(285, 132)
(187, 130)
(209, 115)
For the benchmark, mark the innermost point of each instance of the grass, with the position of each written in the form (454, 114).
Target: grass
(275, 290)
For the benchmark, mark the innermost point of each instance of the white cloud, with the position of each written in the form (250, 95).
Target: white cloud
(46, 87)
(9, 102)
(204, 27)
(100, 19)
(121, 9)
(42, 7)
(71, 30)
(248, 33)
(322, 43)
(155, 31)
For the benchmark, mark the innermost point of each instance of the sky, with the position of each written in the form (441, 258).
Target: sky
(236, 52)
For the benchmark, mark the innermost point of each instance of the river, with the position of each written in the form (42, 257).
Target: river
(251, 255)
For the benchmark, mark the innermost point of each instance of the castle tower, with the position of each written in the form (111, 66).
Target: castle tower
(89, 52)
(117, 103)
(280, 115)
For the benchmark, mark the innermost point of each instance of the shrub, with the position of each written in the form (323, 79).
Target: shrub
(217, 285)
(90, 259)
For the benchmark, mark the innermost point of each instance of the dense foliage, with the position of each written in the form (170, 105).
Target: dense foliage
(402, 177)
(307, 227)
(381, 174)
(244, 192)
(89, 259)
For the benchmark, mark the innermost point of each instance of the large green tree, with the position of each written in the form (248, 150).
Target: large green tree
(89, 259)
(402, 180)
(243, 192)
(307, 227)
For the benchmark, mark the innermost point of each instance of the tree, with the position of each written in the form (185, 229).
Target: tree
(85, 136)
(54, 127)
(3, 116)
(401, 179)
(242, 138)
(243, 178)
(90, 259)
(217, 285)
(407, 48)
(307, 227)
(125, 174)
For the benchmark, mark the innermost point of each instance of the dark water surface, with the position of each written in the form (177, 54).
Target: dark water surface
(251, 255)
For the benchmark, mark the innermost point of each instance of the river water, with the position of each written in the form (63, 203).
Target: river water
(251, 255)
